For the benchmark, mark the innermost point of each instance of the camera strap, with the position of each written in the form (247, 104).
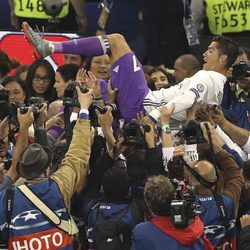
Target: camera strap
(9, 208)
(223, 214)
(199, 177)
(218, 199)
(67, 125)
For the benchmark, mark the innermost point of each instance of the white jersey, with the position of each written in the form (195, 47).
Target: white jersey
(206, 87)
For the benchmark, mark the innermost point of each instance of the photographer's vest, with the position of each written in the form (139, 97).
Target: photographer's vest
(35, 9)
(108, 210)
(213, 223)
(29, 228)
(228, 16)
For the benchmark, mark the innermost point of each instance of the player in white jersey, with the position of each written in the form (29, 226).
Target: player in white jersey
(205, 87)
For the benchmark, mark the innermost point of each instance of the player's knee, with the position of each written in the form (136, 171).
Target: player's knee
(116, 38)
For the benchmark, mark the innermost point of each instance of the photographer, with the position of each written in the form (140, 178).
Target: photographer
(236, 98)
(219, 229)
(55, 191)
(159, 232)
(25, 121)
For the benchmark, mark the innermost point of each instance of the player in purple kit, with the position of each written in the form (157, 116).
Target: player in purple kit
(205, 87)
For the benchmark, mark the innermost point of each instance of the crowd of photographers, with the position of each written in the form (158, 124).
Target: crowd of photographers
(107, 184)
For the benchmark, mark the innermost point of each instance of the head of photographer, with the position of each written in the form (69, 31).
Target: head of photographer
(241, 74)
(170, 221)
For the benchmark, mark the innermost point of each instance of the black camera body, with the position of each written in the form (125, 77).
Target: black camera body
(4, 95)
(132, 133)
(193, 133)
(7, 164)
(70, 98)
(240, 70)
(183, 208)
(92, 114)
(35, 102)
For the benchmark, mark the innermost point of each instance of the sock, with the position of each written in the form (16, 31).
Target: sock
(89, 46)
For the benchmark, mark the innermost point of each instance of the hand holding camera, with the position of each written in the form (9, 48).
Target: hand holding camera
(25, 120)
(85, 99)
(216, 140)
(105, 120)
(42, 117)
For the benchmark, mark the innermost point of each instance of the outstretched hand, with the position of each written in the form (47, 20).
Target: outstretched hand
(218, 116)
(112, 93)
(166, 113)
(245, 220)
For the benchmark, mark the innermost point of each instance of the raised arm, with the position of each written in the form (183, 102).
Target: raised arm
(25, 121)
(233, 180)
(76, 159)
(238, 135)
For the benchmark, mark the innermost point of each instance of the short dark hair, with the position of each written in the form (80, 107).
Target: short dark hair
(6, 64)
(68, 71)
(116, 183)
(137, 170)
(158, 194)
(229, 47)
(16, 79)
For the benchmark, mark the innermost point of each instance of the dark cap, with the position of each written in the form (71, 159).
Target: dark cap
(34, 160)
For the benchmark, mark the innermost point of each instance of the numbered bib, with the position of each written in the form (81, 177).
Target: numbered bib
(35, 9)
(226, 16)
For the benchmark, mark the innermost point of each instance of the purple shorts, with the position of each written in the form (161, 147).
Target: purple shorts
(127, 76)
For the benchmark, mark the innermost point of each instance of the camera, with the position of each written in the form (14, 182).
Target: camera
(193, 133)
(92, 114)
(240, 70)
(102, 109)
(4, 95)
(132, 133)
(35, 102)
(7, 163)
(70, 98)
(183, 208)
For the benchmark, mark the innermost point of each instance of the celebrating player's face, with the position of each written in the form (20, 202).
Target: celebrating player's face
(211, 57)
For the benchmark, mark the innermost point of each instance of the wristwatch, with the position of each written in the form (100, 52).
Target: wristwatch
(166, 129)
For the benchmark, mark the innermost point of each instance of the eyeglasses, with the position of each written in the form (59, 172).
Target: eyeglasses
(38, 79)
